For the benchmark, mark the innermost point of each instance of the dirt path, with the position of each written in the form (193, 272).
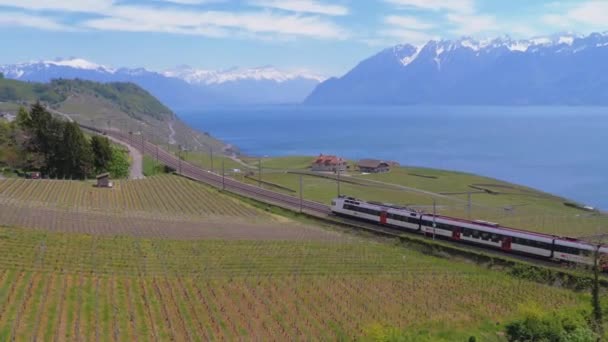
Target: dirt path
(137, 160)
(172, 135)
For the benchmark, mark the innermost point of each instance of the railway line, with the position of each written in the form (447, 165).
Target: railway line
(283, 200)
(217, 180)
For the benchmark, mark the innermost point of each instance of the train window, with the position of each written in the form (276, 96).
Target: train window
(568, 250)
(495, 238)
(485, 236)
(466, 232)
(476, 234)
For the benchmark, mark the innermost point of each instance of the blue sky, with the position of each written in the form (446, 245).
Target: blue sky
(324, 36)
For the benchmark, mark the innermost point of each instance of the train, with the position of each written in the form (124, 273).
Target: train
(476, 232)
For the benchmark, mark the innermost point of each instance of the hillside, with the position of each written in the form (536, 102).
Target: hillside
(166, 258)
(558, 70)
(123, 106)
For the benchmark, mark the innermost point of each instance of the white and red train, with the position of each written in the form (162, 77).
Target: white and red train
(482, 233)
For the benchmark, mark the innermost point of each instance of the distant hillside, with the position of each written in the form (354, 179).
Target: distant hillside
(557, 70)
(124, 106)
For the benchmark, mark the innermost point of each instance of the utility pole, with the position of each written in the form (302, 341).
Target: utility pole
(595, 290)
(301, 195)
(260, 172)
(338, 179)
(223, 177)
(469, 205)
(179, 157)
(211, 156)
(434, 216)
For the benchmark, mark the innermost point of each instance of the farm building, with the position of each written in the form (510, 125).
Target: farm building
(374, 166)
(329, 164)
(103, 180)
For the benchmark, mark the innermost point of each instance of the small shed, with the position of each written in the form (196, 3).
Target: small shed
(103, 180)
(373, 166)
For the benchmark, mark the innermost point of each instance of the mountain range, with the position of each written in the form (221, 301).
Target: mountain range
(563, 69)
(183, 87)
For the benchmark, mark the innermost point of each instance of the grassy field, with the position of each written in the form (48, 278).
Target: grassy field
(491, 199)
(73, 286)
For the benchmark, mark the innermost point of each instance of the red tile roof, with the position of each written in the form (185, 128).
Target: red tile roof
(329, 160)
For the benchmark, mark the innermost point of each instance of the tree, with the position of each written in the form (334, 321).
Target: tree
(1, 75)
(24, 119)
(119, 166)
(74, 155)
(102, 153)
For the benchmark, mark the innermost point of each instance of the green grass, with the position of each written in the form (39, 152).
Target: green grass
(9, 107)
(151, 167)
(203, 159)
(507, 204)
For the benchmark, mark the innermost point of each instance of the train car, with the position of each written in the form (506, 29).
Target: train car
(483, 233)
(385, 214)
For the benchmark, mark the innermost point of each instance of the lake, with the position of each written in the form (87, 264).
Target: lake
(560, 150)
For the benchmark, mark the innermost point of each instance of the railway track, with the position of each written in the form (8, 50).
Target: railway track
(283, 200)
(217, 180)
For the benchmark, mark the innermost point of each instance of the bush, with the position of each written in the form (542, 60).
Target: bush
(119, 165)
(537, 325)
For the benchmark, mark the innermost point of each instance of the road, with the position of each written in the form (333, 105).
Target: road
(216, 180)
(136, 170)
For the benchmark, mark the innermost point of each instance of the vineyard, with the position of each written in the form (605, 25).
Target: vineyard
(162, 194)
(57, 286)
(163, 207)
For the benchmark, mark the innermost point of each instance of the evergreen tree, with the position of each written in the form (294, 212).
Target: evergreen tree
(24, 119)
(102, 153)
(74, 157)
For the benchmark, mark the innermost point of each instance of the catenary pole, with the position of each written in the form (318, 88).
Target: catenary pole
(301, 194)
(434, 216)
(223, 177)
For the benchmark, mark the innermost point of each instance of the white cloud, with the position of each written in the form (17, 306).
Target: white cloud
(592, 15)
(461, 6)
(13, 19)
(214, 23)
(407, 22)
(473, 24)
(178, 20)
(303, 6)
(400, 35)
(85, 6)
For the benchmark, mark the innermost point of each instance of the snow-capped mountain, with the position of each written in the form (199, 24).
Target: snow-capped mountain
(183, 87)
(559, 69)
(268, 73)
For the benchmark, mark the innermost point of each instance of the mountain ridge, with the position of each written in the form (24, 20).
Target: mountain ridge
(560, 69)
(181, 87)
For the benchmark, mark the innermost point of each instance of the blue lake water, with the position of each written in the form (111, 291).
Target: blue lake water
(561, 150)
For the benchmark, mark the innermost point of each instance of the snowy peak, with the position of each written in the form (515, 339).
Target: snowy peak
(209, 77)
(78, 63)
(438, 49)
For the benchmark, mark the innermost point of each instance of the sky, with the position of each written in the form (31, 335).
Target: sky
(326, 37)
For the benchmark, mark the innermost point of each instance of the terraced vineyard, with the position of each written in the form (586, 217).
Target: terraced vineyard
(163, 206)
(161, 194)
(73, 286)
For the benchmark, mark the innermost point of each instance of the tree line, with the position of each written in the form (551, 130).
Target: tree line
(38, 141)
